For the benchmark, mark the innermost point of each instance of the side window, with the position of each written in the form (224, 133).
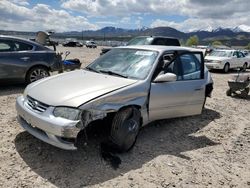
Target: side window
(6, 46)
(186, 67)
(191, 66)
(235, 54)
(19, 46)
(240, 55)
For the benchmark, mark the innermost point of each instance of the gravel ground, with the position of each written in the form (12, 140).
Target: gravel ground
(208, 150)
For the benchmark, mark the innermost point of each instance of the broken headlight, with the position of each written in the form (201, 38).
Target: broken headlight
(67, 113)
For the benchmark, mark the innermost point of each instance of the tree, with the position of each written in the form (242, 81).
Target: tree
(193, 40)
(216, 43)
(248, 46)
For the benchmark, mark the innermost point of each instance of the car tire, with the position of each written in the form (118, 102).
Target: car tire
(226, 68)
(244, 68)
(229, 92)
(125, 128)
(37, 73)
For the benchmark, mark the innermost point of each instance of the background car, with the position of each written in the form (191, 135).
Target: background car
(91, 44)
(149, 40)
(72, 44)
(23, 60)
(226, 60)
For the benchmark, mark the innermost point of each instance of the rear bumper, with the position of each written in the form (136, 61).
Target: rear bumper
(214, 66)
(47, 127)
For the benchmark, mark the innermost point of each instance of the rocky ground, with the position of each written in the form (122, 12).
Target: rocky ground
(208, 150)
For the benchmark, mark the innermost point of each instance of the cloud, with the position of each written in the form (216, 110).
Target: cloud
(122, 7)
(20, 2)
(40, 17)
(185, 15)
(199, 13)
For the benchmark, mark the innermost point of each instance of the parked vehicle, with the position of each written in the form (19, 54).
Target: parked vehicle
(72, 44)
(226, 60)
(131, 85)
(23, 60)
(91, 44)
(149, 40)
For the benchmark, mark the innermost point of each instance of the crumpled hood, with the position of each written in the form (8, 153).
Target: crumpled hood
(74, 88)
(216, 58)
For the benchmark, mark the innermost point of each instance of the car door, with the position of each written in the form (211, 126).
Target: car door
(235, 60)
(241, 58)
(182, 97)
(8, 59)
(14, 59)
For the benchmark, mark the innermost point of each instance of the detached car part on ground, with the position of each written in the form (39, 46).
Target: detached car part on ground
(133, 85)
(226, 60)
(23, 60)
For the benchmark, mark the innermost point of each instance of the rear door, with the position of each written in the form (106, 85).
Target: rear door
(182, 97)
(14, 59)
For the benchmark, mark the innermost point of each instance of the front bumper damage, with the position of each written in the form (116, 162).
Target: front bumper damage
(46, 127)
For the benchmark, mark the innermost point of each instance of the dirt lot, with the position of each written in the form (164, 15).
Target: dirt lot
(209, 150)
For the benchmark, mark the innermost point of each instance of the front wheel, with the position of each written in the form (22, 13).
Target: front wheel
(226, 68)
(125, 128)
(37, 73)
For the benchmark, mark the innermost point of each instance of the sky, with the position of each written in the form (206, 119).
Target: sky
(78, 15)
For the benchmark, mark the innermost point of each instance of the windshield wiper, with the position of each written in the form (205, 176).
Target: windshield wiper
(113, 73)
(91, 69)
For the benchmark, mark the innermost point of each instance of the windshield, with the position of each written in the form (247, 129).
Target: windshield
(140, 41)
(221, 53)
(129, 63)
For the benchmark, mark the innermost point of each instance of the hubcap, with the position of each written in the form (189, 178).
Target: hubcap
(38, 74)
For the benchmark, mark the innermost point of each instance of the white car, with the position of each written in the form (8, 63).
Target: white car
(91, 44)
(132, 86)
(226, 60)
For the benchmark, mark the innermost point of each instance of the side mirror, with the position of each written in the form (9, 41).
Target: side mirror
(168, 77)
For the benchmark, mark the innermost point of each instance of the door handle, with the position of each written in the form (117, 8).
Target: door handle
(25, 58)
(198, 89)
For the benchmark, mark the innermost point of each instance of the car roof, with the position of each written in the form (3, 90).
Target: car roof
(155, 36)
(160, 48)
(20, 39)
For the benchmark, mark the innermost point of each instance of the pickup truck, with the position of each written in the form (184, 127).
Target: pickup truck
(149, 40)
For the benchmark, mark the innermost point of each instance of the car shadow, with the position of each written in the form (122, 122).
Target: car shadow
(86, 166)
(11, 89)
(231, 71)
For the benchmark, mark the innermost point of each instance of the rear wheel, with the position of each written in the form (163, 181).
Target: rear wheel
(226, 68)
(125, 128)
(37, 73)
(244, 67)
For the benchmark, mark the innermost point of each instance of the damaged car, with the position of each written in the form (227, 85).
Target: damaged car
(134, 85)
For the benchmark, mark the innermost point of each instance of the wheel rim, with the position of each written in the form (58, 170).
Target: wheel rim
(38, 74)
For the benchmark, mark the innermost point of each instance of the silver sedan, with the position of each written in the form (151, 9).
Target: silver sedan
(133, 85)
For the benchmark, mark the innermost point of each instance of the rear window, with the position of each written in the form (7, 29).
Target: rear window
(20, 46)
(140, 41)
(166, 42)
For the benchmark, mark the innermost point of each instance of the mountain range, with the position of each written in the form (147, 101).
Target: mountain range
(237, 36)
